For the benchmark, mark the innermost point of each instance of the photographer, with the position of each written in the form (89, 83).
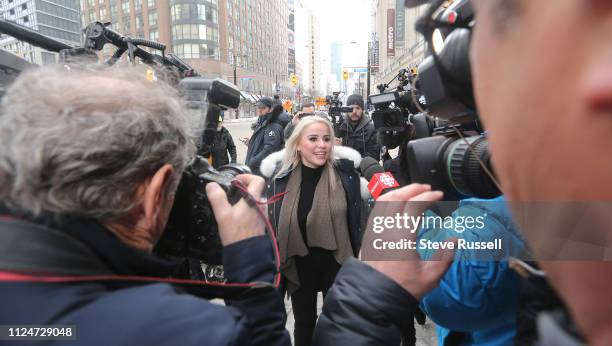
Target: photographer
(89, 165)
(306, 110)
(357, 131)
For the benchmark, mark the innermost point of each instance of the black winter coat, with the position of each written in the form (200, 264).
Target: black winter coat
(221, 146)
(351, 183)
(132, 313)
(361, 138)
(267, 138)
(364, 307)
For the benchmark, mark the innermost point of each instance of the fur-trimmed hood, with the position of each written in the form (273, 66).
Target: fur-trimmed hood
(272, 163)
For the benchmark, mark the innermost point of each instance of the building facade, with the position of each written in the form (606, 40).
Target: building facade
(59, 19)
(313, 79)
(396, 44)
(244, 42)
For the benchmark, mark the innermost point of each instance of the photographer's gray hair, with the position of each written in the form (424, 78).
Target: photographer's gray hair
(91, 138)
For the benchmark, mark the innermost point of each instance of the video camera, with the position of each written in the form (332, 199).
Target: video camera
(336, 110)
(446, 146)
(191, 231)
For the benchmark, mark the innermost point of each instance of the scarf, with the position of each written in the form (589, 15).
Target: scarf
(326, 224)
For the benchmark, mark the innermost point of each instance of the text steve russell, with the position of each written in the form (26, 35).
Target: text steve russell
(426, 244)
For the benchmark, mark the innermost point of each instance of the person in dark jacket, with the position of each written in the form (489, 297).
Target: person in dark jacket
(318, 218)
(87, 184)
(357, 131)
(221, 146)
(267, 135)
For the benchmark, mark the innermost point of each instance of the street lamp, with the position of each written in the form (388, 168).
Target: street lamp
(234, 64)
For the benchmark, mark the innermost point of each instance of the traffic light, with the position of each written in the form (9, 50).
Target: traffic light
(294, 80)
(345, 75)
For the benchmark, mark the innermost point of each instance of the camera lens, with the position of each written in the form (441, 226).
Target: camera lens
(464, 169)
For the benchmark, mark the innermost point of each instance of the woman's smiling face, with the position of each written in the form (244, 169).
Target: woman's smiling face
(315, 145)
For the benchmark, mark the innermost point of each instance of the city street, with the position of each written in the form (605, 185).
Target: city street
(238, 130)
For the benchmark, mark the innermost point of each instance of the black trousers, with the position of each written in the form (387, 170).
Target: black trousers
(316, 272)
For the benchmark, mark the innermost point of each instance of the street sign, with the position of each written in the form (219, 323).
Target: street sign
(320, 101)
(360, 70)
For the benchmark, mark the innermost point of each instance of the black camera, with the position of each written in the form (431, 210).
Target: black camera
(336, 110)
(445, 146)
(192, 231)
(393, 108)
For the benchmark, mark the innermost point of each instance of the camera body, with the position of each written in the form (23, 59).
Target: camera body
(336, 110)
(445, 146)
(192, 231)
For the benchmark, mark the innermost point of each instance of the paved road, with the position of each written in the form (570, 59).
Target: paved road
(425, 334)
(238, 130)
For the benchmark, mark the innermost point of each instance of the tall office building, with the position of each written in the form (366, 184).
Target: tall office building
(396, 43)
(56, 18)
(336, 61)
(313, 80)
(216, 37)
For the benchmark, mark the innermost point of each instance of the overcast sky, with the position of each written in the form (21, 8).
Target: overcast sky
(345, 21)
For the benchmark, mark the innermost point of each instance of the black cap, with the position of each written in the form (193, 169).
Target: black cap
(355, 100)
(415, 3)
(265, 102)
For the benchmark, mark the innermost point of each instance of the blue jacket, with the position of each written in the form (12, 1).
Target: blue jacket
(128, 313)
(476, 300)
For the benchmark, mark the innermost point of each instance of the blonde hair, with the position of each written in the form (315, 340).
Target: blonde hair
(292, 157)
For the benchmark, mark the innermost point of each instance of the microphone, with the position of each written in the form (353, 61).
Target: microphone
(379, 181)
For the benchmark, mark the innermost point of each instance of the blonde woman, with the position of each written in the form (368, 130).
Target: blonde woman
(317, 218)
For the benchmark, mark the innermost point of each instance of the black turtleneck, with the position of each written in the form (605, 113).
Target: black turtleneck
(310, 179)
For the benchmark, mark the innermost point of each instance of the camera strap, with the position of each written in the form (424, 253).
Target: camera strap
(34, 253)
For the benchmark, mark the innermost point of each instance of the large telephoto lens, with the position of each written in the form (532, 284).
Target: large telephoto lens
(451, 165)
(464, 170)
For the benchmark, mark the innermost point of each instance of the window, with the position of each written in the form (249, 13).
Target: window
(201, 12)
(138, 22)
(102, 12)
(126, 26)
(125, 7)
(151, 3)
(12, 11)
(137, 5)
(26, 19)
(113, 10)
(24, 6)
(152, 18)
(154, 35)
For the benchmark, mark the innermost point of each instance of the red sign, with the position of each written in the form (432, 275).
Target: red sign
(391, 32)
